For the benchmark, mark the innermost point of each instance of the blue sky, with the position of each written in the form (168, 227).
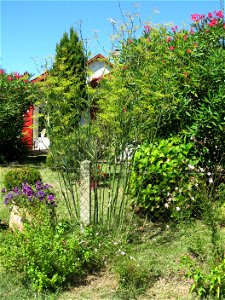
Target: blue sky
(30, 29)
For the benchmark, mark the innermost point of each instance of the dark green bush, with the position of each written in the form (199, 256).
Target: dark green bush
(16, 96)
(165, 179)
(19, 175)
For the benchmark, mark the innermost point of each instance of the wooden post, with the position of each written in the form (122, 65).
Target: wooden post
(85, 192)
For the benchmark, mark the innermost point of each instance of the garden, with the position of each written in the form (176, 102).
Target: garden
(128, 203)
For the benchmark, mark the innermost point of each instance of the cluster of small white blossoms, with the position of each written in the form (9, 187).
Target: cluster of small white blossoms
(170, 199)
(201, 170)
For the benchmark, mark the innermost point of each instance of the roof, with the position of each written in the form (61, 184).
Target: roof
(98, 57)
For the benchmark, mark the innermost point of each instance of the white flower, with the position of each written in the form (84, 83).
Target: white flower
(201, 170)
(210, 180)
(190, 167)
(176, 188)
(167, 226)
(209, 173)
(166, 205)
(178, 208)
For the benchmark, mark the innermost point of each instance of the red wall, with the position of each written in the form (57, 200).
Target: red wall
(28, 127)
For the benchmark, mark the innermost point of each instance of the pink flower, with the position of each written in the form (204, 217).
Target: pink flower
(10, 78)
(224, 26)
(174, 28)
(2, 71)
(171, 48)
(169, 39)
(197, 17)
(188, 50)
(147, 28)
(219, 14)
(129, 41)
(185, 37)
(213, 22)
(210, 15)
(17, 75)
(194, 17)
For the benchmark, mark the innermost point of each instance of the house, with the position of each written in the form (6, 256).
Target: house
(98, 66)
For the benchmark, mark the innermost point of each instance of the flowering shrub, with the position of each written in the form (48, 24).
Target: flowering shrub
(16, 95)
(165, 180)
(169, 81)
(27, 195)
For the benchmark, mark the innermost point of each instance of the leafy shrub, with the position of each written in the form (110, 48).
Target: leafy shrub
(17, 176)
(207, 285)
(17, 94)
(165, 179)
(49, 256)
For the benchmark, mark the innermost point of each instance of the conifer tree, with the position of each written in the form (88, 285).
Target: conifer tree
(66, 93)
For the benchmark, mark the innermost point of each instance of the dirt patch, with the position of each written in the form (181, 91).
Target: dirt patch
(170, 288)
(104, 286)
(96, 287)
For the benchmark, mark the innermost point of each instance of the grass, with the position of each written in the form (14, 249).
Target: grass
(146, 267)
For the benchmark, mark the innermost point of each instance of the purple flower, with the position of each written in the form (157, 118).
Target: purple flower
(47, 186)
(27, 190)
(3, 191)
(16, 190)
(39, 185)
(8, 197)
(51, 197)
(41, 195)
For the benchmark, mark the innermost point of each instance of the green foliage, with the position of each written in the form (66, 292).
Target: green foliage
(207, 285)
(16, 95)
(164, 83)
(165, 179)
(65, 98)
(49, 256)
(17, 176)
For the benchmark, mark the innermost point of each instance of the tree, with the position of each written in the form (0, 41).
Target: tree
(66, 95)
